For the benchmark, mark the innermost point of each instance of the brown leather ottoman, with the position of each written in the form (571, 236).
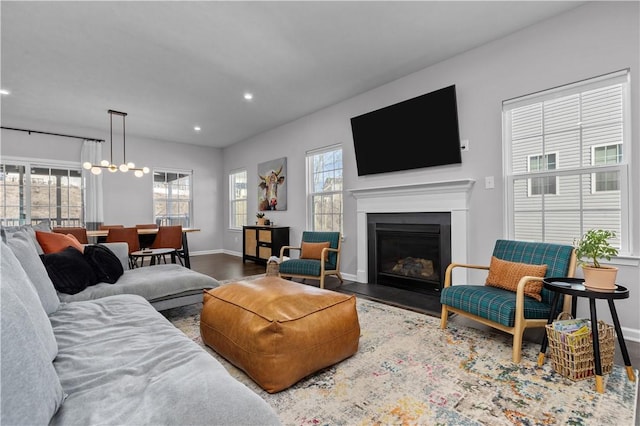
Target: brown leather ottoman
(279, 331)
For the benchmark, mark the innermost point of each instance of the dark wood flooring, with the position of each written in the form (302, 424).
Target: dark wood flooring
(225, 267)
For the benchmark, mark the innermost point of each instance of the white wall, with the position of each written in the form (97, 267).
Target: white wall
(128, 199)
(594, 39)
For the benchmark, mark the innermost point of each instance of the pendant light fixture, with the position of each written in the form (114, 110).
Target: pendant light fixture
(96, 169)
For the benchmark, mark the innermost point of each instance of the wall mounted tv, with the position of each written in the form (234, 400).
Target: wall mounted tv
(416, 133)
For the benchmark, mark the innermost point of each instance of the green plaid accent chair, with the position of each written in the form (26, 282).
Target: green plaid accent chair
(312, 268)
(507, 310)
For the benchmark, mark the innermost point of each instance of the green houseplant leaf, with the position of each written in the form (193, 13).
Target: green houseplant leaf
(595, 245)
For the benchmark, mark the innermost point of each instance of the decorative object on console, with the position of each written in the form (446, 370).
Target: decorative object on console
(272, 189)
(96, 169)
(595, 245)
(261, 219)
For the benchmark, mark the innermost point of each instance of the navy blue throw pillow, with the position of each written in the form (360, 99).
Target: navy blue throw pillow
(68, 270)
(104, 262)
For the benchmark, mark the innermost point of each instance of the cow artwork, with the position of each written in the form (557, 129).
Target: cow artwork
(271, 185)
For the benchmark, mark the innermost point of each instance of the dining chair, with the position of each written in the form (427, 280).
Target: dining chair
(77, 231)
(126, 235)
(146, 239)
(105, 227)
(169, 237)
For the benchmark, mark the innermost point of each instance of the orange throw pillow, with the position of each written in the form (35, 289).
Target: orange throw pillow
(313, 250)
(52, 242)
(506, 275)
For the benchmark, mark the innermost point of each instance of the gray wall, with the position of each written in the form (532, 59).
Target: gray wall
(595, 39)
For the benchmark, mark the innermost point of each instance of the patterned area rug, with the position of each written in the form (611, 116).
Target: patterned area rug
(408, 371)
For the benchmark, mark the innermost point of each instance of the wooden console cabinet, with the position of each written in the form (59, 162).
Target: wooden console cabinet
(261, 242)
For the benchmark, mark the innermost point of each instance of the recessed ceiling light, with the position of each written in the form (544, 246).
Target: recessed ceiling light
(248, 96)
(4, 92)
(197, 128)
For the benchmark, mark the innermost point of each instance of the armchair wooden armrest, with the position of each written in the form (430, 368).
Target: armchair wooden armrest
(452, 266)
(325, 255)
(284, 248)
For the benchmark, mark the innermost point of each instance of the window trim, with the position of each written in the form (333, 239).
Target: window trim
(191, 186)
(233, 200)
(309, 184)
(622, 77)
(30, 162)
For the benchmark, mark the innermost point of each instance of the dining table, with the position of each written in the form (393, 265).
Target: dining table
(101, 233)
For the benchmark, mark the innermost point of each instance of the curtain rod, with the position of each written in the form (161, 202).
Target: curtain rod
(52, 134)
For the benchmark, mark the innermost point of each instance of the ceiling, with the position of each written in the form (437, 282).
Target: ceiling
(175, 64)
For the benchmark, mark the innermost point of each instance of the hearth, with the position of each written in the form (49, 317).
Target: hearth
(409, 250)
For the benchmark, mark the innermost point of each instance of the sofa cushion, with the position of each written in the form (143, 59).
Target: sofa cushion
(507, 275)
(8, 232)
(52, 242)
(150, 282)
(31, 391)
(123, 363)
(24, 249)
(69, 271)
(14, 276)
(104, 262)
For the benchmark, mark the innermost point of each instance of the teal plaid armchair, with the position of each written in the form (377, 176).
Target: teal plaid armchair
(509, 311)
(314, 262)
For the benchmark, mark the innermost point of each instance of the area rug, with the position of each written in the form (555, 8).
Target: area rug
(408, 371)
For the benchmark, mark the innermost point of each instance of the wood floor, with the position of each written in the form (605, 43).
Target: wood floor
(225, 267)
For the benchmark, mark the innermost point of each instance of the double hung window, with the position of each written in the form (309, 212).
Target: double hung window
(237, 199)
(565, 164)
(32, 192)
(172, 197)
(325, 189)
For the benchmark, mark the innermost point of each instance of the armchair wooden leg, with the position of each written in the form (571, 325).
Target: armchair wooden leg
(339, 277)
(517, 346)
(443, 317)
(321, 281)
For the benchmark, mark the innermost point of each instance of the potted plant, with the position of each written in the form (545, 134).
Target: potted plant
(595, 245)
(261, 218)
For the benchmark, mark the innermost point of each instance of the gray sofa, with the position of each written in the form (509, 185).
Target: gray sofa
(109, 360)
(164, 286)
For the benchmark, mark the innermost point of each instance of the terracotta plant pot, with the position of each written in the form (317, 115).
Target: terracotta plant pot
(602, 278)
(261, 221)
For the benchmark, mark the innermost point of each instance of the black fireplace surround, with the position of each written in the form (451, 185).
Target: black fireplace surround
(410, 251)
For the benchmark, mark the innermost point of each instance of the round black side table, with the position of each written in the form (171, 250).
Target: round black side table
(575, 287)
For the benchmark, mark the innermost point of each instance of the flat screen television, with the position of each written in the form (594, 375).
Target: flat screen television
(412, 134)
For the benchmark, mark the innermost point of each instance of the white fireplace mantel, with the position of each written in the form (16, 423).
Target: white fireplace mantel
(444, 196)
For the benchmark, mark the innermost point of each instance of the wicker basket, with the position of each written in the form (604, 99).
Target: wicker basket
(572, 355)
(273, 269)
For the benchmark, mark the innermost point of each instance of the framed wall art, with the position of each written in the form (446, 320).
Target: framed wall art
(272, 186)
